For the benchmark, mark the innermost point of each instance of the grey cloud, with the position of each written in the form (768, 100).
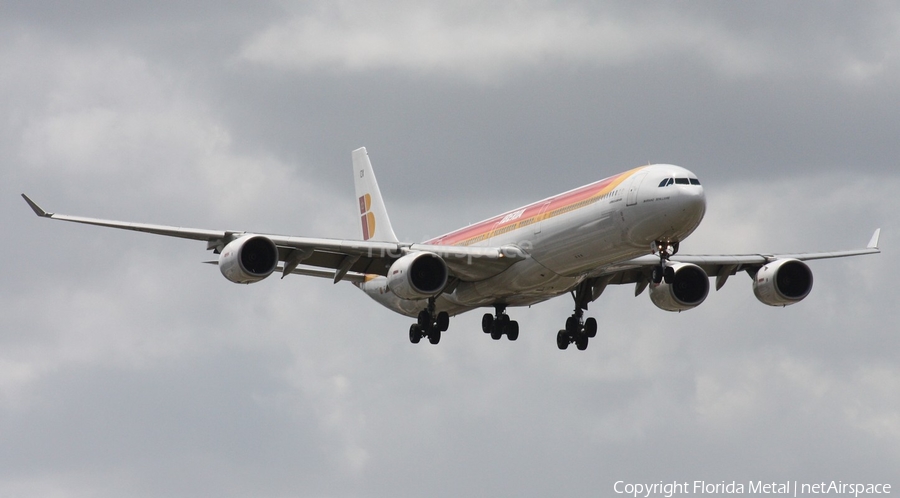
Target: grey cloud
(129, 368)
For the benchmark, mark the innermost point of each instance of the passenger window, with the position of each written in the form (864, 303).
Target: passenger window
(682, 181)
(695, 181)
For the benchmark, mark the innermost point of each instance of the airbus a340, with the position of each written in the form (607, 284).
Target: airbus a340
(625, 229)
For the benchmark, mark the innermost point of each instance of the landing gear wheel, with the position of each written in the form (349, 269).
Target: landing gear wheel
(499, 324)
(415, 333)
(669, 274)
(562, 340)
(429, 324)
(581, 341)
(580, 330)
(590, 327)
(424, 319)
(443, 321)
(512, 331)
(487, 323)
(577, 332)
(657, 275)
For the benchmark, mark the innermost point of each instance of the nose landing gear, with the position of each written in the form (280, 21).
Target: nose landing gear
(665, 250)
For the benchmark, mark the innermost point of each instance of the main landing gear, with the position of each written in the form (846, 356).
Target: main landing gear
(429, 324)
(663, 271)
(578, 330)
(500, 324)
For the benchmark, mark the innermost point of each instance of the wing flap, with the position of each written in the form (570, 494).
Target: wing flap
(470, 263)
(312, 272)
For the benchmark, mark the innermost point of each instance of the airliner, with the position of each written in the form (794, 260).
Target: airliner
(625, 229)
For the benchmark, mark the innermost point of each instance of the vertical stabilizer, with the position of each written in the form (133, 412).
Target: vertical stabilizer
(374, 221)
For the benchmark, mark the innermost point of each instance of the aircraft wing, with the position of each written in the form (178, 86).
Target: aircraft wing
(350, 259)
(721, 266)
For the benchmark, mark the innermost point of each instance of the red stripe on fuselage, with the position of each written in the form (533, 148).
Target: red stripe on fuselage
(532, 213)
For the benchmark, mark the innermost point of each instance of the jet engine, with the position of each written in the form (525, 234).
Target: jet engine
(783, 282)
(417, 275)
(248, 259)
(688, 288)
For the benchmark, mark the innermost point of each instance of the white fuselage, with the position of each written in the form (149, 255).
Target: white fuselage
(568, 237)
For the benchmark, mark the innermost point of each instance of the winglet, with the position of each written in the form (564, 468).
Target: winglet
(873, 244)
(37, 209)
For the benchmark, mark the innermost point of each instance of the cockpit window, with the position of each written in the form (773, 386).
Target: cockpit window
(678, 181)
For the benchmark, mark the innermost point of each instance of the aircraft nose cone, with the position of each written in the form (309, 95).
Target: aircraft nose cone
(692, 206)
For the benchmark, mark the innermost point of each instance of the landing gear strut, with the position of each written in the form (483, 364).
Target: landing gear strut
(665, 250)
(500, 324)
(429, 324)
(578, 330)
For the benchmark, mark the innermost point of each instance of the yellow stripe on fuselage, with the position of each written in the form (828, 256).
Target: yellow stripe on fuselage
(536, 212)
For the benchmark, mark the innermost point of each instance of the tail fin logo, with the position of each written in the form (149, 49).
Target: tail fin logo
(367, 218)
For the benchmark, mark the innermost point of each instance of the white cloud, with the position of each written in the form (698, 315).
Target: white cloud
(489, 43)
(446, 39)
(108, 124)
(115, 131)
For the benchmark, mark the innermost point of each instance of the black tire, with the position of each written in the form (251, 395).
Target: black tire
(562, 339)
(496, 332)
(434, 337)
(487, 323)
(424, 319)
(590, 327)
(512, 331)
(415, 333)
(657, 275)
(669, 275)
(573, 325)
(443, 321)
(581, 342)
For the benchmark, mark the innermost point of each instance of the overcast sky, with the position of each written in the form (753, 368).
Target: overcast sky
(128, 368)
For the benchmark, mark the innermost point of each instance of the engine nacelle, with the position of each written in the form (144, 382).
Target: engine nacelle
(248, 259)
(417, 275)
(688, 289)
(783, 282)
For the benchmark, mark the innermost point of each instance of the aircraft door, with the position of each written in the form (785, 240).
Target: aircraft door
(537, 225)
(634, 188)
